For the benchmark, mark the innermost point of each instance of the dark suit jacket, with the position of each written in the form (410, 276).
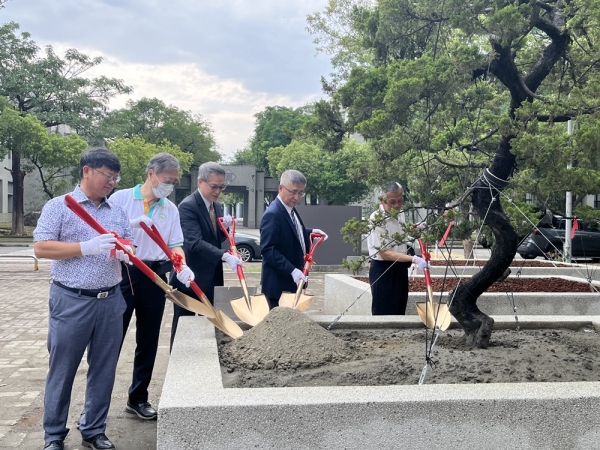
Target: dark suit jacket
(281, 250)
(202, 246)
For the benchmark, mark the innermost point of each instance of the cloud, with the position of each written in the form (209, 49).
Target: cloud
(226, 59)
(226, 103)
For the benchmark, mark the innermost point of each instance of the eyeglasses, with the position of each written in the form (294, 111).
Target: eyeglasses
(109, 178)
(167, 180)
(217, 187)
(295, 192)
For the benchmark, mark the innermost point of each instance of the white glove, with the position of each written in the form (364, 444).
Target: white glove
(123, 255)
(186, 275)
(135, 223)
(420, 263)
(316, 230)
(297, 275)
(233, 261)
(227, 221)
(99, 244)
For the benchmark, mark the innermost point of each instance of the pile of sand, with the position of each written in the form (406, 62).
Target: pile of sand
(286, 339)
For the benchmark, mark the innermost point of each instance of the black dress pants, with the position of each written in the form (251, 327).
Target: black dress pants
(389, 287)
(148, 302)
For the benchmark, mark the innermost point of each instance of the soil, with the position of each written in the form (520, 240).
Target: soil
(289, 349)
(481, 263)
(520, 284)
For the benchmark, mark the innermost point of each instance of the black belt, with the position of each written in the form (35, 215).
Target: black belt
(98, 293)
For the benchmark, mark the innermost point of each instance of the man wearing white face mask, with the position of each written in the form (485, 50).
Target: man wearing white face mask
(147, 203)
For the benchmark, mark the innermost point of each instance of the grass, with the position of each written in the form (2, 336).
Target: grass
(5, 235)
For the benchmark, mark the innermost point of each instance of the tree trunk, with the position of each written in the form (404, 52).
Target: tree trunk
(476, 324)
(18, 177)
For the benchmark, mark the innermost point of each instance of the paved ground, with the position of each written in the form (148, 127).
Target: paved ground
(24, 359)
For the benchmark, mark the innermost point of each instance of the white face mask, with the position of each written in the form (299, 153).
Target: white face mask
(163, 189)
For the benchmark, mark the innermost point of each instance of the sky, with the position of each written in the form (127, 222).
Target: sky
(224, 59)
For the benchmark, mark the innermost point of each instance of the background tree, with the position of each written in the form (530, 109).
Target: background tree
(332, 177)
(442, 90)
(20, 136)
(39, 82)
(275, 127)
(134, 154)
(55, 161)
(155, 122)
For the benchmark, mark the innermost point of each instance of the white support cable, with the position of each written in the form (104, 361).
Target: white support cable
(437, 330)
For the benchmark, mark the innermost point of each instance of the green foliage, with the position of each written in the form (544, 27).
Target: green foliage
(50, 86)
(21, 134)
(588, 215)
(134, 154)
(51, 155)
(330, 176)
(55, 90)
(437, 89)
(275, 127)
(155, 122)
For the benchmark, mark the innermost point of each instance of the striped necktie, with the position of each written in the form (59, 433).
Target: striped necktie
(213, 216)
(298, 232)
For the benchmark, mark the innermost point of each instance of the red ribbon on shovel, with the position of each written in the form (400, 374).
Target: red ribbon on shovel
(217, 317)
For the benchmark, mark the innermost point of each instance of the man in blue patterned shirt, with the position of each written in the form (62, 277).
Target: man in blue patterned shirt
(86, 304)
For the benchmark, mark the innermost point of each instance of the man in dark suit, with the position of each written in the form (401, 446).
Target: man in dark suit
(284, 240)
(202, 237)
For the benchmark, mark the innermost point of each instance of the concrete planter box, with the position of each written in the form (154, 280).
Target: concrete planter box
(195, 411)
(341, 290)
(573, 270)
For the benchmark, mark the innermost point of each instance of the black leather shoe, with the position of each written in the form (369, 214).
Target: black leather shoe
(142, 410)
(54, 445)
(98, 442)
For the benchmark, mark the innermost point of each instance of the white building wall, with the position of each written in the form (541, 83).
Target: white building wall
(5, 191)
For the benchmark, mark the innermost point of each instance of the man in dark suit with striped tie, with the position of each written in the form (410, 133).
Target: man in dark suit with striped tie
(202, 237)
(284, 240)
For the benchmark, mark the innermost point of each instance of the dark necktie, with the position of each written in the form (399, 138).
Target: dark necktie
(213, 216)
(298, 232)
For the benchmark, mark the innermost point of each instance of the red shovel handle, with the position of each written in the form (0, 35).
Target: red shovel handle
(156, 237)
(426, 257)
(176, 259)
(231, 238)
(87, 218)
(313, 246)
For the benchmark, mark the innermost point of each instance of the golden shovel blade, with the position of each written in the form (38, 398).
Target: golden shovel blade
(434, 314)
(189, 303)
(259, 308)
(224, 323)
(299, 302)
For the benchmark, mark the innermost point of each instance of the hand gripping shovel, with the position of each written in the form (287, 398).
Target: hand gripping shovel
(179, 298)
(217, 317)
(298, 300)
(250, 309)
(432, 314)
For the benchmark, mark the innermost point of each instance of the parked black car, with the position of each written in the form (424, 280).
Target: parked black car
(548, 242)
(248, 246)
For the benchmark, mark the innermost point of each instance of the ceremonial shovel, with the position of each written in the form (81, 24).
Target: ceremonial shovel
(250, 309)
(298, 300)
(177, 297)
(217, 317)
(432, 314)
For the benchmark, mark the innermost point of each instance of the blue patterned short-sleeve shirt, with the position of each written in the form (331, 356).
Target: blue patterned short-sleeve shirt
(58, 223)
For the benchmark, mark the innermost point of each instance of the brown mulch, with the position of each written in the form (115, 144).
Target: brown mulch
(481, 263)
(550, 284)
